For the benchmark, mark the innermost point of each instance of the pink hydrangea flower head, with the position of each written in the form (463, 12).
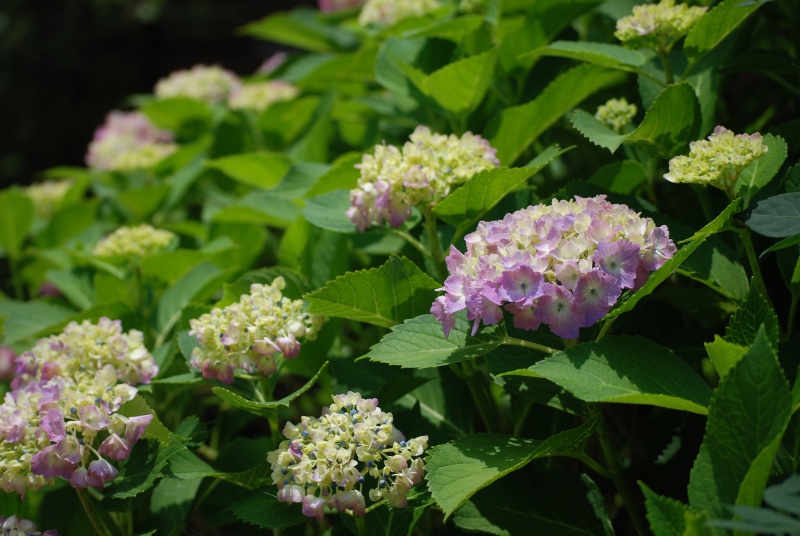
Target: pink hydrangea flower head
(339, 5)
(126, 141)
(563, 265)
(208, 83)
(424, 171)
(354, 446)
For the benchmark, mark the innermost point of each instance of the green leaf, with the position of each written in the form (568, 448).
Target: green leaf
(266, 409)
(31, 320)
(199, 279)
(455, 29)
(300, 29)
(746, 420)
(671, 122)
(659, 276)
(342, 174)
(666, 516)
(187, 118)
(762, 170)
(262, 169)
(328, 211)
(262, 509)
(558, 501)
(791, 180)
(628, 370)
(420, 343)
(171, 503)
(724, 355)
(461, 85)
(714, 26)
(384, 296)
(16, 219)
(717, 265)
(75, 285)
(519, 126)
(394, 56)
(603, 54)
(623, 177)
(783, 244)
(296, 284)
(596, 131)
(455, 471)
(753, 313)
(777, 216)
(68, 222)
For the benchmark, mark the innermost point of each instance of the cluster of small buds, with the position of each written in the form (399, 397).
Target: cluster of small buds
(138, 241)
(657, 26)
(339, 5)
(424, 170)
(127, 141)
(65, 399)
(389, 12)
(47, 196)
(250, 333)
(201, 82)
(718, 160)
(260, 95)
(616, 113)
(14, 526)
(563, 265)
(326, 461)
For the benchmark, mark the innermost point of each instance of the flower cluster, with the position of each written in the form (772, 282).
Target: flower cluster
(201, 82)
(126, 141)
(7, 367)
(563, 265)
(616, 113)
(133, 242)
(259, 96)
(14, 526)
(326, 461)
(338, 5)
(47, 196)
(250, 333)
(65, 399)
(424, 170)
(388, 12)
(657, 26)
(718, 160)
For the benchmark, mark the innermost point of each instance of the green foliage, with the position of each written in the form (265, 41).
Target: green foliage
(777, 216)
(16, 219)
(758, 174)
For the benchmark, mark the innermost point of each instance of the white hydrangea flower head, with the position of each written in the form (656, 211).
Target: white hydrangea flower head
(718, 160)
(261, 95)
(47, 196)
(424, 170)
(616, 113)
(657, 26)
(201, 82)
(137, 241)
(127, 141)
(331, 460)
(250, 333)
(389, 12)
(14, 526)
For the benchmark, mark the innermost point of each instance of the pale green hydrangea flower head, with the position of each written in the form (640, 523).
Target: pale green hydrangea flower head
(201, 82)
(128, 141)
(15, 526)
(616, 113)
(250, 333)
(47, 196)
(718, 160)
(389, 12)
(352, 448)
(129, 242)
(260, 95)
(657, 26)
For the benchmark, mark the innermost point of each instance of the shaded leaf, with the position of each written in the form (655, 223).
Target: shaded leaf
(603, 54)
(724, 355)
(328, 211)
(777, 216)
(714, 26)
(262, 509)
(262, 169)
(762, 170)
(461, 85)
(666, 516)
(16, 219)
(749, 317)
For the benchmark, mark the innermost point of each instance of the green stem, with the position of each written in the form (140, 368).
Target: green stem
(435, 247)
(591, 463)
(605, 329)
(512, 341)
(519, 418)
(258, 139)
(792, 314)
(480, 394)
(361, 526)
(664, 55)
(413, 241)
(705, 203)
(265, 395)
(617, 476)
(98, 523)
(752, 258)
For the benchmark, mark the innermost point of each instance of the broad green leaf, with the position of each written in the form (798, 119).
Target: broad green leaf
(714, 26)
(603, 54)
(75, 285)
(301, 29)
(394, 54)
(185, 465)
(420, 343)
(313, 145)
(777, 216)
(30, 320)
(16, 219)
(746, 420)
(622, 177)
(666, 516)
(455, 471)
(749, 317)
(461, 85)
(387, 521)
(724, 355)
(141, 203)
(558, 501)
(262, 509)
(383, 296)
(791, 180)
(171, 503)
(186, 289)
(139, 471)
(783, 244)
(262, 169)
(628, 370)
(785, 496)
(156, 429)
(596, 131)
(342, 174)
(519, 126)
(286, 120)
(759, 521)
(259, 207)
(671, 122)
(266, 409)
(661, 275)
(295, 284)
(68, 222)
(328, 211)
(762, 170)
(717, 265)
(187, 118)
(356, 67)
(455, 29)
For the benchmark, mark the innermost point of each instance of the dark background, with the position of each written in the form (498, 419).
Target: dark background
(64, 64)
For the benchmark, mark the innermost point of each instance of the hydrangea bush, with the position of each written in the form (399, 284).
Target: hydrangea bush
(468, 210)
